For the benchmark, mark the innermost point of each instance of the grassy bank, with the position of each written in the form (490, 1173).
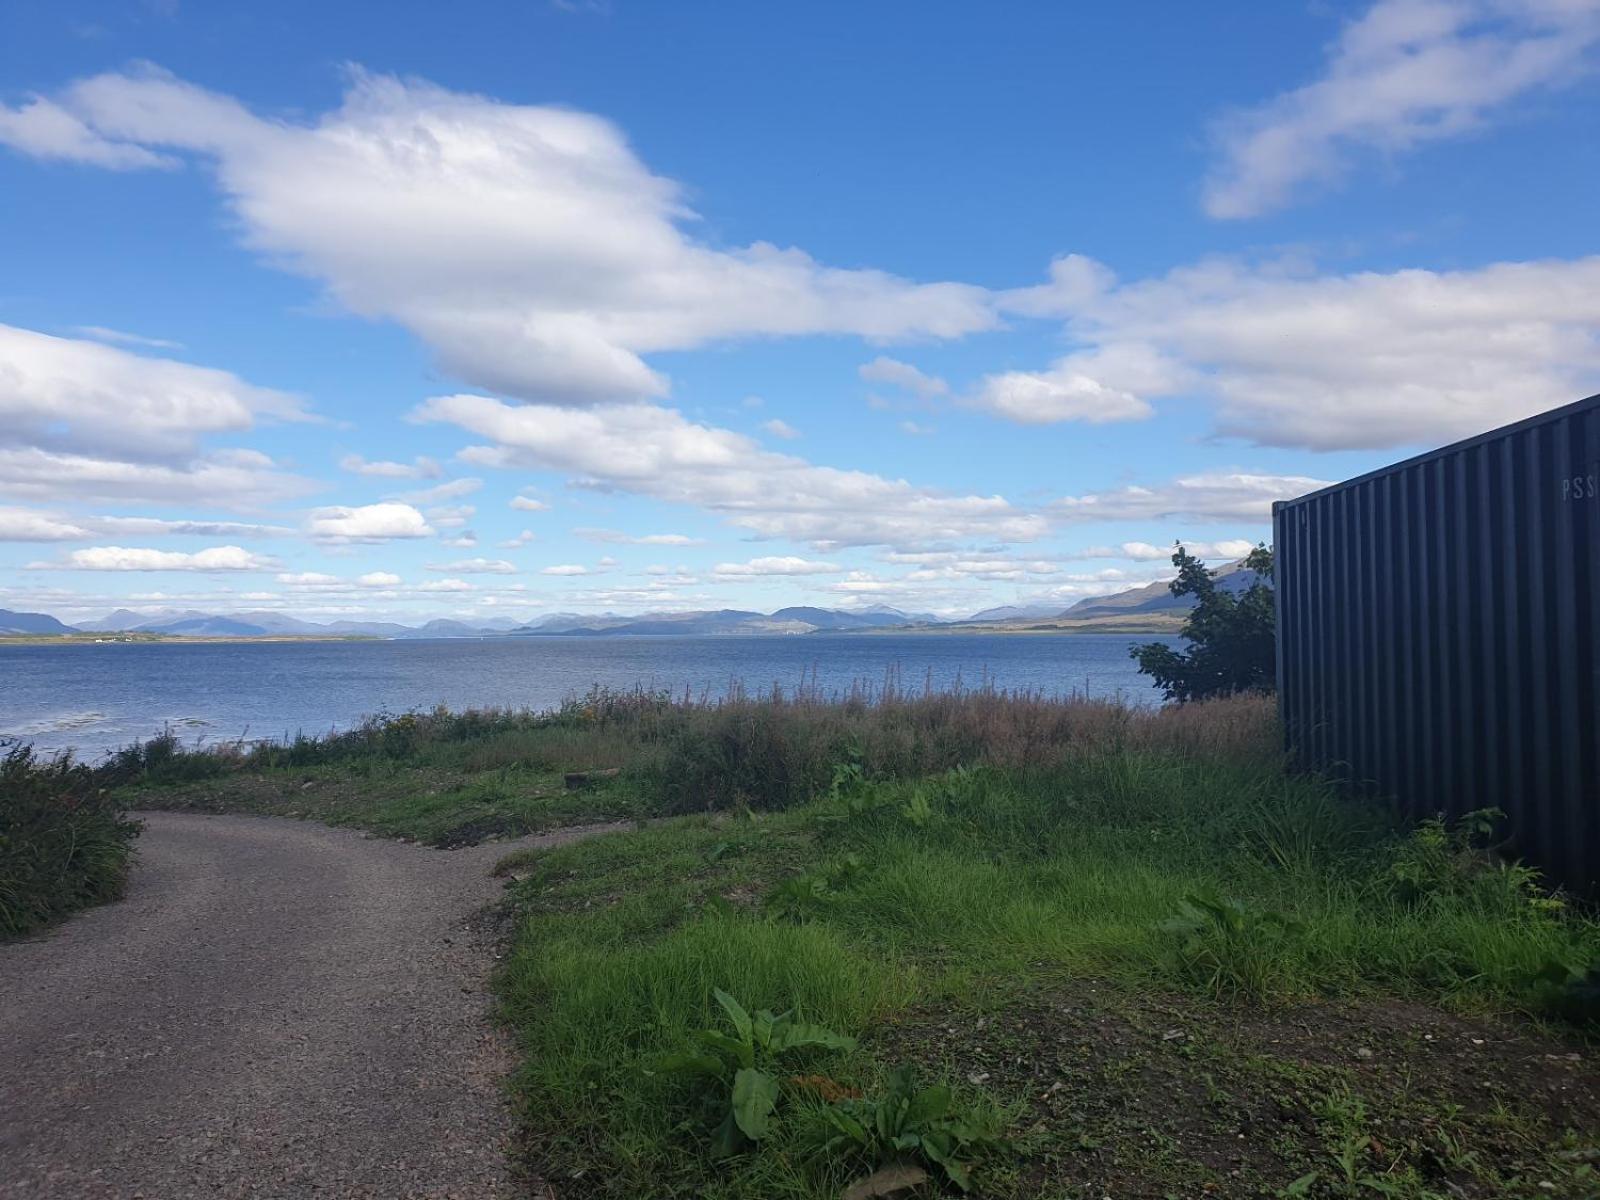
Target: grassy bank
(450, 778)
(1036, 948)
(65, 842)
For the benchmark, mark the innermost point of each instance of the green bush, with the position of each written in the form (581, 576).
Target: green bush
(1232, 635)
(64, 842)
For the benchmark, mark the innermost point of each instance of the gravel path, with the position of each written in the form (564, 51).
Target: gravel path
(277, 1009)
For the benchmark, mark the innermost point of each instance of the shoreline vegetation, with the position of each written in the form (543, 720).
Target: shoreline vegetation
(65, 842)
(913, 944)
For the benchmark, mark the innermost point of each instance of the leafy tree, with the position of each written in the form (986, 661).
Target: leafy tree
(1232, 635)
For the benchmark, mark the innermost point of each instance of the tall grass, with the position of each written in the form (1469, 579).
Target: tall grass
(64, 841)
(765, 752)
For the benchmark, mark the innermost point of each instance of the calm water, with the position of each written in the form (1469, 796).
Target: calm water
(91, 698)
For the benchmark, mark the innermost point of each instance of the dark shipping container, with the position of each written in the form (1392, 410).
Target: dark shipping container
(1439, 634)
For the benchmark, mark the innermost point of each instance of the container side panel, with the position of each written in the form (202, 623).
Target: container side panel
(1439, 634)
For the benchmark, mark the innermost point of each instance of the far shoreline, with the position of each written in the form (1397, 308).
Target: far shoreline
(1153, 627)
(158, 639)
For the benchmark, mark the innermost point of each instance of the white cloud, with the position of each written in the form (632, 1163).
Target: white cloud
(859, 583)
(419, 468)
(526, 537)
(775, 565)
(122, 338)
(453, 490)
(565, 569)
(225, 478)
(528, 504)
(916, 430)
(1096, 387)
(527, 245)
(67, 395)
(1209, 497)
(902, 375)
(1227, 549)
(656, 452)
(1406, 73)
(992, 565)
(780, 429)
(476, 566)
(310, 579)
(29, 525)
(446, 585)
(127, 558)
(1362, 361)
(452, 516)
(81, 420)
(157, 527)
(368, 523)
(32, 525)
(378, 579)
(44, 129)
(617, 537)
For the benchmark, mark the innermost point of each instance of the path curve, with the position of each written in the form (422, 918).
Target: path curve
(277, 1009)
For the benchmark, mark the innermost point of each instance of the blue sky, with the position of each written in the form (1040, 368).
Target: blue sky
(407, 309)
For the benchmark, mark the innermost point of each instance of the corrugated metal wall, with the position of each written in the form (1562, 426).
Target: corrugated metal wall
(1439, 633)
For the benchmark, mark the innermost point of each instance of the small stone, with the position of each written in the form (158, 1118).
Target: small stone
(978, 1077)
(1363, 1052)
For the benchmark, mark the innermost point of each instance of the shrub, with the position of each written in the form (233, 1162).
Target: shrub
(64, 842)
(1232, 635)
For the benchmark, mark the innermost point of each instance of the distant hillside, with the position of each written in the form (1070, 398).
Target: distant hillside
(721, 622)
(205, 627)
(1016, 612)
(31, 622)
(1158, 597)
(831, 618)
(701, 624)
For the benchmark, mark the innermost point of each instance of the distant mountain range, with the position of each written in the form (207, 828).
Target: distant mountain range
(1157, 597)
(190, 623)
(726, 621)
(26, 622)
(1152, 606)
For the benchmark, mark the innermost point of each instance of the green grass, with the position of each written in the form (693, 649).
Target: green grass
(982, 891)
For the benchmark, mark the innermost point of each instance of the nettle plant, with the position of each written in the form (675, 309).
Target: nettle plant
(741, 1069)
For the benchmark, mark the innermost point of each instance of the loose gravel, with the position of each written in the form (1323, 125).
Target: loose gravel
(277, 1009)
